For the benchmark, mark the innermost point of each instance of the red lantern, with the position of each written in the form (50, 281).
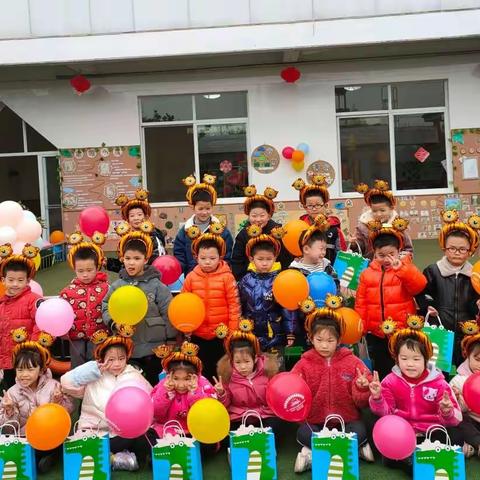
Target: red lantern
(80, 84)
(290, 74)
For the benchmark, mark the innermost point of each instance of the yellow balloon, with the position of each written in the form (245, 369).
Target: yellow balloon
(37, 261)
(208, 421)
(298, 166)
(128, 305)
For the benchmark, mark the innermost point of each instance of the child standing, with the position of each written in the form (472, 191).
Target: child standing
(19, 304)
(386, 289)
(202, 197)
(213, 282)
(85, 294)
(134, 250)
(338, 380)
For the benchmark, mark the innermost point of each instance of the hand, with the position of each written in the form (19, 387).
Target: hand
(8, 404)
(57, 395)
(459, 396)
(375, 387)
(193, 384)
(395, 263)
(446, 405)
(351, 238)
(478, 304)
(432, 311)
(219, 388)
(169, 384)
(362, 380)
(290, 339)
(104, 366)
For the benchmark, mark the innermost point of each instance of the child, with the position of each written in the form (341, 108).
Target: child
(259, 209)
(381, 203)
(34, 386)
(85, 294)
(449, 293)
(314, 198)
(94, 382)
(243, 375)
(273, 325)
(338, 380)
(19, 304)
(134, 250)
(386, 289)
(135, 211)
(213, 282)
(202, 197)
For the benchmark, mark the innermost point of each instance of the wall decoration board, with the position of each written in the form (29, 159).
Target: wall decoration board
(466, 159)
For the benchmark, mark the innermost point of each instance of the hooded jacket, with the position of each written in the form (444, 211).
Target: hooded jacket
(458, 381)
(418, 404)
(219, 293)
(155, 328)
(333, 386)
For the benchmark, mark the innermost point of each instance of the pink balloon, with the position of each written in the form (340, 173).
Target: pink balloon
(36, 287)
(129, 412)
(7, 234)
(55, 316)
(18, 247)
(471, 392)
(287, 152)
(394, 437)
(131, 383)
(28, 230)
(169, 267)
(11, 213)
(94, 219)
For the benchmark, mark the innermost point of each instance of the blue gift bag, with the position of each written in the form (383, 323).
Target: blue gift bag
(17, 457)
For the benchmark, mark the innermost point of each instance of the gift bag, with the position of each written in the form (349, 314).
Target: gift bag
(252, 451)
(349, 266)
(435, 461)
(176, 456)
(442, 343)
(86, 454)
(17, 457)
(334, 452)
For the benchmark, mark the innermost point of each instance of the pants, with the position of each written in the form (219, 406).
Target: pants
(151, 366)
(81, 351)
(381, 358)
(140, 446)
(304, 433)
(211, 351)
(470, 429)
(9, 376)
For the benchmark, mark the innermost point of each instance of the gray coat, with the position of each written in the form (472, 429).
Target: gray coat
(155, 328)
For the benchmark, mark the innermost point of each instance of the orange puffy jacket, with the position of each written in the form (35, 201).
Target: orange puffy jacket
(388, 293)
(219, 293)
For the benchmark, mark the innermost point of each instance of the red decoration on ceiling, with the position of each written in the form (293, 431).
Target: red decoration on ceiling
(290, 74)
(80, 84)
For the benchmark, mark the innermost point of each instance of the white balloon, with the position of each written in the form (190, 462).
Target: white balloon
(7, 235)
(28, 230)
(28, 215)
(11, 213)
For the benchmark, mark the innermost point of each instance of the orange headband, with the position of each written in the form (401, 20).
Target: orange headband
(208, 185)
(125, 231)
(256, 236)
(399, 225)
(29, 252)
(188, 353)
(319, 185)
(214, 233)
(380, 188)
(452, 224)
(267, 198)
(77, 242)
(139, 201)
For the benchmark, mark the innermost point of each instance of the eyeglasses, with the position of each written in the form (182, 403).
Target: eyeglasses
(314, 207)
(462, 250)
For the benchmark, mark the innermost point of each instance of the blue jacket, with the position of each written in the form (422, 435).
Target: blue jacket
(182, 247)
(272, 322)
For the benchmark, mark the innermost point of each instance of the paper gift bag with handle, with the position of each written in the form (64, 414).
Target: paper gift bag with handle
(334, 452)
(442, 343)
(252, 451)
(438, 461)
(349, 266)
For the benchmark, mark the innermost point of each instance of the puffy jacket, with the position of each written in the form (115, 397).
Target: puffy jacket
(240, 261)
(155, 328)
(16, 312)
(333, 385)
(272, 322)
(86, 301)
(219, 293)
(458, 381)
(95, 388)
(182, 246)
(388, 293)
(418, 404)
(26, 400)
(169, 406)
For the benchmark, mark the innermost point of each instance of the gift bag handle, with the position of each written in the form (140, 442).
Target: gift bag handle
(427, 316)
(11, 423)
(334, 416)
(89, 429)
(441, 428)
(251, 413)
(176, 424)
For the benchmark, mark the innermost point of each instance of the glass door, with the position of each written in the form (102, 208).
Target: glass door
(52, 199)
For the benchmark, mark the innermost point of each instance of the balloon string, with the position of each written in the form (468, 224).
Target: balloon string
(148, 440)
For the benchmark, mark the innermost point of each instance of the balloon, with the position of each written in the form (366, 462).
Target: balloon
(7, 235)
(177, 286)
(287, 152)
(169, 267)
(37, 261)
(290, 287)
(28, 230)
(55, 316)
(293, 230)
(320, 283)
(129, 411)
(36, 287)
(298, 166)
(57, 236)
(289, 396)
(394, 437)
(39, 243)
(353, 325)
(18, 247)
(303, 147)
(471, 392)
(11, 213)
(186, 312)
(28, 215)
(94, 219)
(298, 156)
(208, 420)
(48, 426)
(128, 305)
(131, 383)
(475, 278)
(2, 289)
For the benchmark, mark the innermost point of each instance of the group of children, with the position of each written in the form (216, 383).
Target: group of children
(239, 346)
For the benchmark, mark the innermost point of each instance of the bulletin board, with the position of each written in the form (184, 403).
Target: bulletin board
(466, 159)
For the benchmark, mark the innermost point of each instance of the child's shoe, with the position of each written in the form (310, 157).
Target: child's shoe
(124, 461)
(46, 463)
(468, 450)
(365, 452)
(303, 461)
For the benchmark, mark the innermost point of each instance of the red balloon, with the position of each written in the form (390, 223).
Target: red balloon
(289, 396)
(169, 267)
(394, 437)
(471, 392)
(80, 84)
(290, 74)
(94, 219)
(287, 152)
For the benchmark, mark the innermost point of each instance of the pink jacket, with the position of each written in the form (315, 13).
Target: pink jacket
(175, 406)
(26, 400)
(419, 404)
(247, 393)
(458, 381)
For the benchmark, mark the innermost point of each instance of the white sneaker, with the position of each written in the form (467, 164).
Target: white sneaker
(468, 450)
(365, 452)
(303, 462)
(124, 461)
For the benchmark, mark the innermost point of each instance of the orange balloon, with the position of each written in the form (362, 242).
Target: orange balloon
(2, 289)
(353, 325)
(57, 236)
(298, 156)
(186, 312)
(475, 278)
(48, 426)
(293, 230)
(290, 288)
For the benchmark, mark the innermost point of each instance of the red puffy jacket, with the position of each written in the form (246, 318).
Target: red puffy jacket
(16, 312)
(86, 301)
(388, 293)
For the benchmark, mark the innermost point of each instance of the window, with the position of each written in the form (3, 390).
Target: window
(393, 132)
(201, 133)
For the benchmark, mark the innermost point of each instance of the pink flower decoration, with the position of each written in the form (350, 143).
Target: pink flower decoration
(226, 166)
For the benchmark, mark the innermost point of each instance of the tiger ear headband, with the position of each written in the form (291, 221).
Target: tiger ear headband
(320, 224)
(256, 237)
(380, 188)
(471, 331)
(29, 252)
(103, 341)
(453, 224)
(187, 353)
(214, 233)
(140, 200)
(319, 185)
(77, 242)
(329, 311)
(396, 229)
(125, 231)
(208, 185)
(20, 337)
(267, 198)
(244, 332)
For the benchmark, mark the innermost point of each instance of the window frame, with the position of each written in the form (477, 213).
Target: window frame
(390, 113)
(194, 123)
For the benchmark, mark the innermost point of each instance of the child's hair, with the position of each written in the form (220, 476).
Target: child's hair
(201, 195)
(316, 236)
(15, 266)
(413, 344)
(259, 204)
(29, 358)
(377, 199)
(473, 346)
(262, 246)
(386, 240)
(136, 245)
(325, 323)
(458, 234)
(208, 243)
(243, 346)
(182, 365)
(85, 254)
(120, 346)
(314, 193)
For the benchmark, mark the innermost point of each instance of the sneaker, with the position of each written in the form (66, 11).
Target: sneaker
(303, 462)
(124, 461)
(365, 452)
(228, 457)
(468, 450)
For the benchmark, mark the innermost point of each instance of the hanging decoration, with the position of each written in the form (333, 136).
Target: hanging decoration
(296, 155)
(226, 166)
(290, 74)
(80, 84)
